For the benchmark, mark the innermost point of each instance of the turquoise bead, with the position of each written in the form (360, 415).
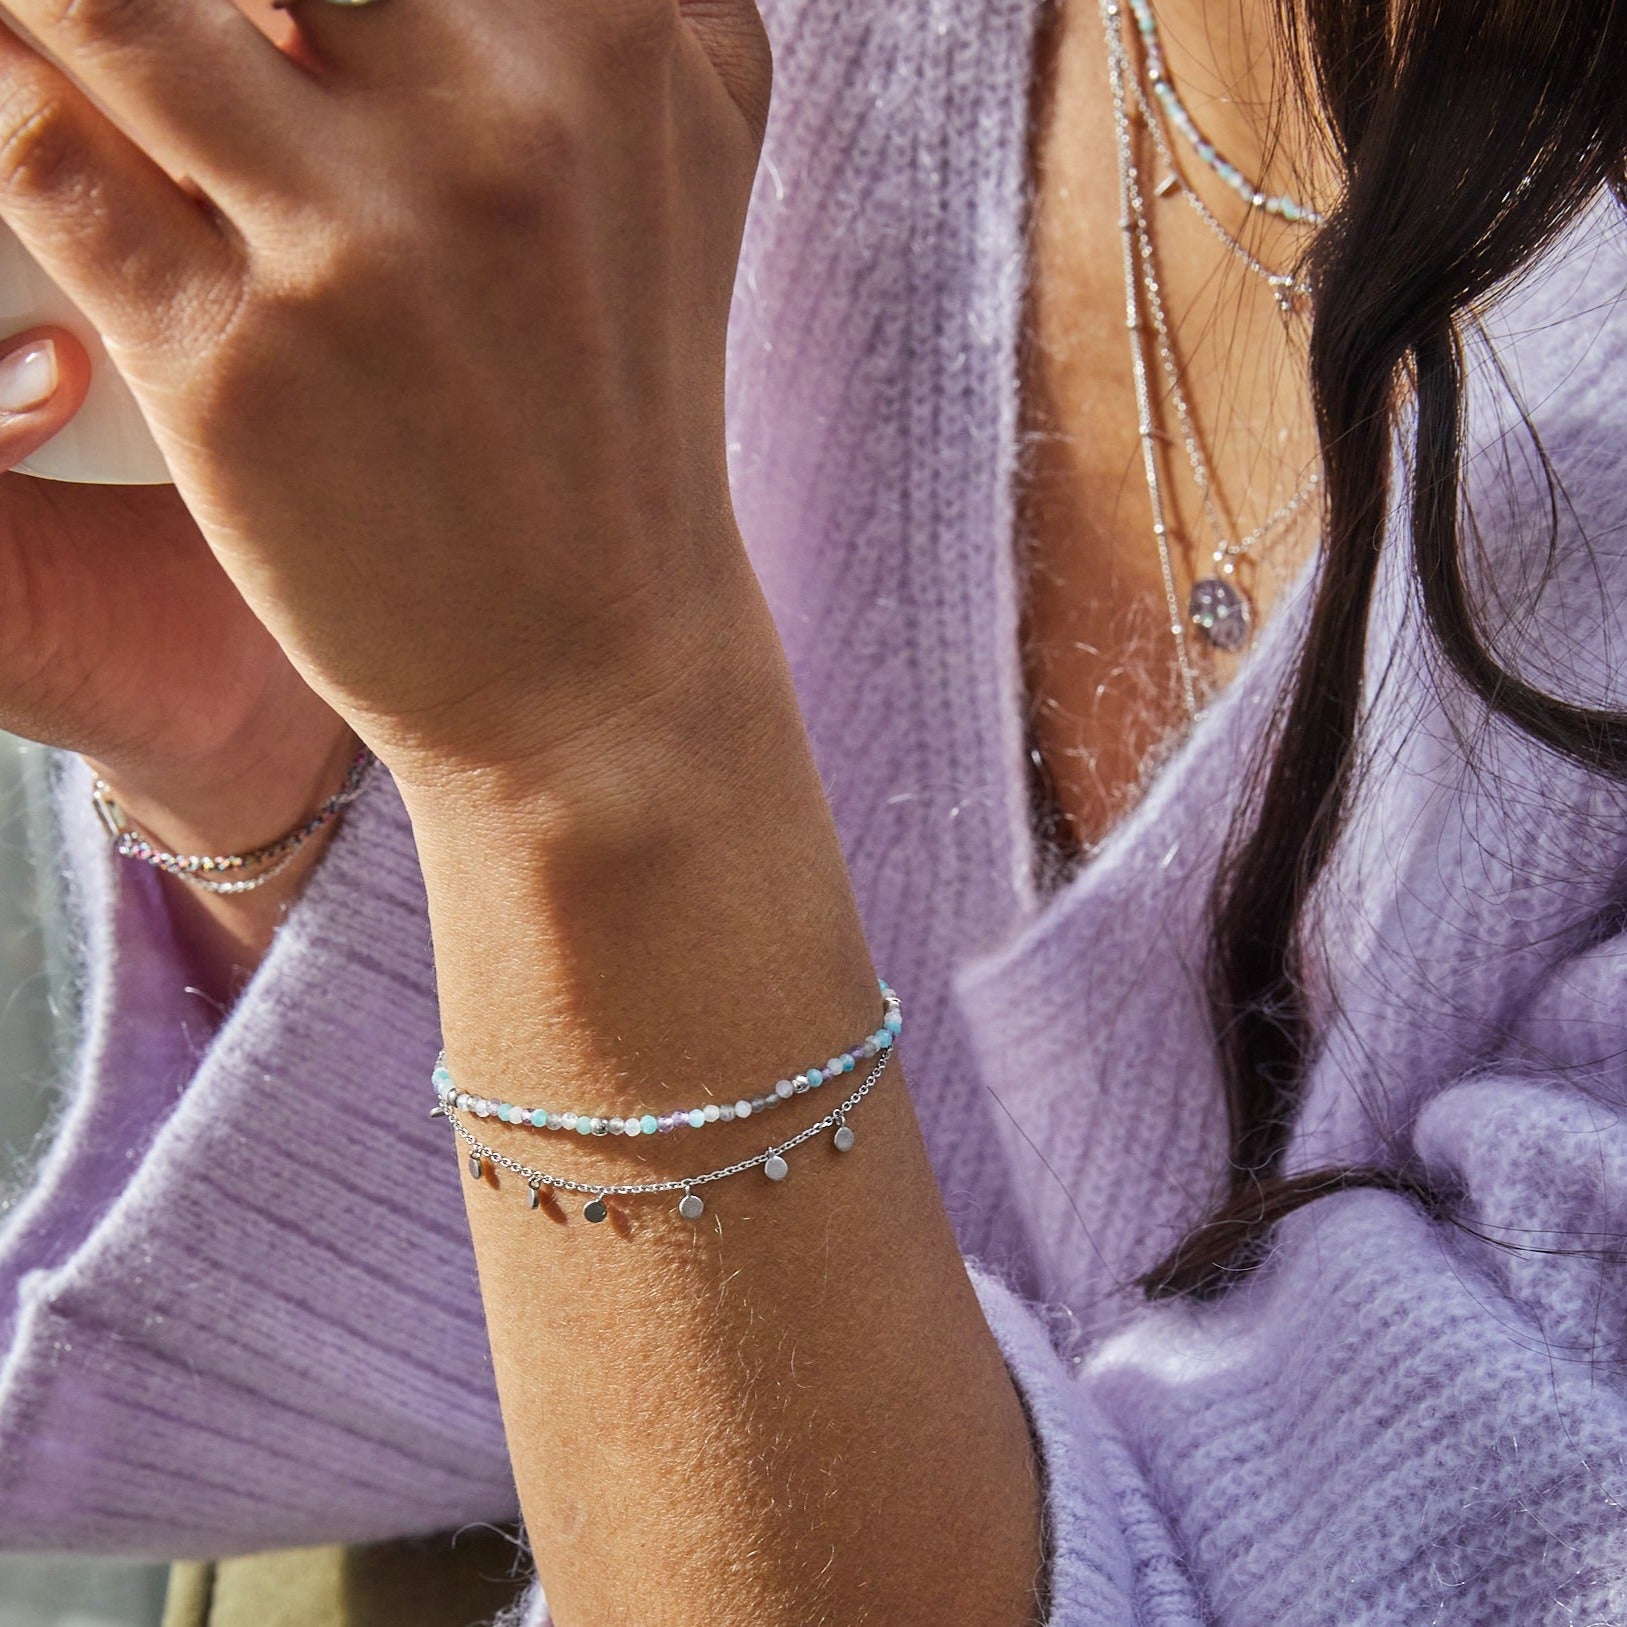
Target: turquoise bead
(539, 1118)
(696, 1118)
(848, 1064)
(894, 1021)
(814, 1077)
(884, 1038)
(648, 1124)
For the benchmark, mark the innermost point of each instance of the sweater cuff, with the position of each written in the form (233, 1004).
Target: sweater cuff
(270, 1333)
(139, 1037)
(1103, 1538)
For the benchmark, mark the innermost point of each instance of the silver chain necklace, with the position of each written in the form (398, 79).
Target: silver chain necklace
(1285, 286)
(1217, 608)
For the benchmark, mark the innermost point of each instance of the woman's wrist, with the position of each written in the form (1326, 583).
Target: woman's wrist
(221, 937)
(690, 835)
(246, 793)
(663, 918)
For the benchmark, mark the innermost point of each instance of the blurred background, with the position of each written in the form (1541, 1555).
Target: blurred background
(36, 1024)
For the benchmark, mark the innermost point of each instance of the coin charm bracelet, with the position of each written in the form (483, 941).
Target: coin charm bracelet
(451, 1102)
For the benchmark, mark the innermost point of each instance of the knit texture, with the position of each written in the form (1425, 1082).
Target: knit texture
(239, 1303)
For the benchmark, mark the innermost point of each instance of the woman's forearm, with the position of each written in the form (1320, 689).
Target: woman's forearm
(792, 1410)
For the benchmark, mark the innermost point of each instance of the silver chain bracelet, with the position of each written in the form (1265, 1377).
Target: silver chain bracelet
(199, 869)
(690, 1206)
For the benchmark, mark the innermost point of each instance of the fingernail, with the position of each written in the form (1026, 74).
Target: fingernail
(28, 376)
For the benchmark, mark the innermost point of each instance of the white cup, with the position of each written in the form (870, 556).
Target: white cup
(107, 440)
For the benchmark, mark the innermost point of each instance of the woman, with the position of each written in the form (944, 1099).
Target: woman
(1339, 1225)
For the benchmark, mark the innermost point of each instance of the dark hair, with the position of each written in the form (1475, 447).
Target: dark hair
(1469, 134)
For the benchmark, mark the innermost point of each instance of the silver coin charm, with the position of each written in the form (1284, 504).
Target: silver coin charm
(1220, 612)
(474, 1165)
(595, 1210)
(691, 1207)
(776, 1169)
(843, 1139)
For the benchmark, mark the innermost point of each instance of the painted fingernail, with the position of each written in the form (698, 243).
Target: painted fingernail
(28, 376)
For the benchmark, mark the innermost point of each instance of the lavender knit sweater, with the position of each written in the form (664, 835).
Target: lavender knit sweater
(238, 1305)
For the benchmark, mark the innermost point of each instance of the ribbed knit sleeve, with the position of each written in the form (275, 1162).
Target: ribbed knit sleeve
(141, 1034)
(240, 1301)
(1396, 1421)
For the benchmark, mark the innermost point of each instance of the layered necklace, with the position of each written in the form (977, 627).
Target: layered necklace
(1218, 611)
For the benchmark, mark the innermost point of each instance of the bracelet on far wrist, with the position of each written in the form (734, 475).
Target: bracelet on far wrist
(230, 873)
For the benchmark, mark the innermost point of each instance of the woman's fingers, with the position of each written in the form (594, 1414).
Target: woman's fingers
(44, 376)
(146, 262)
(198, 85)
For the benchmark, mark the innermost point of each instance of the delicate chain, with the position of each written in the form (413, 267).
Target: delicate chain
(1138, 358)
(1218, 607)
(197, 868)
(258, 879)
(1284, 285)
(480, 1154)
(1226, 552)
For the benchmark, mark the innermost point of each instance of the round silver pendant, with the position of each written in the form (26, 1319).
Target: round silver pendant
(1220, 612)
(596, 1210)
(776, 1169)
(691, 1207)
(843, 1139)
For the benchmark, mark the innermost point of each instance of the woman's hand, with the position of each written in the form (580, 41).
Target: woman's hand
(431, 333)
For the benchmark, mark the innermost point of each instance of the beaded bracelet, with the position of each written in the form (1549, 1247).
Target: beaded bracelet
(772, 1161)
(198, 868)
(633, 1124)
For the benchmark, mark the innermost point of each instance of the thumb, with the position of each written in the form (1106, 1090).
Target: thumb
(732, 35)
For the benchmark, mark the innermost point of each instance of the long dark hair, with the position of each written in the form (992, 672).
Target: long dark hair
(1469, 134)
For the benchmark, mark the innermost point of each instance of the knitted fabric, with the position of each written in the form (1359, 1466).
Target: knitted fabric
(240, 1313)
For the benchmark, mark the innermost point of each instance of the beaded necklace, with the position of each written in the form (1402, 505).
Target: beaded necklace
(1255, 196)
